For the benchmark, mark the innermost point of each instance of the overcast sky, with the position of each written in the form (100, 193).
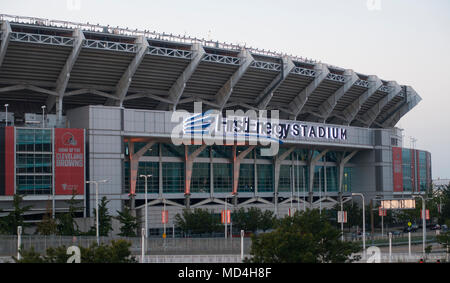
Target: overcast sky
(403, 40)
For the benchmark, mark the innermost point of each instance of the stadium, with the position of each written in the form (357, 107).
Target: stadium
(86, 102)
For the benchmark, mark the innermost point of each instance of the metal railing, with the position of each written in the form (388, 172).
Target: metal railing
(158, 246)
(148, 34)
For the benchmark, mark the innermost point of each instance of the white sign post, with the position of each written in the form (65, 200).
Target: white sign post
(409, 243)
(142, 244)
(19, 240)
(242, 245)
(390, 247)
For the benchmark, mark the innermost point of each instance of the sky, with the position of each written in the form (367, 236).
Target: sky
(407, 41)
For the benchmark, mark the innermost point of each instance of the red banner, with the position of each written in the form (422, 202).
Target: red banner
(9, 161)
(69, 161)
(397, 163)
(226, 216)
(382, 212)
(164, 217)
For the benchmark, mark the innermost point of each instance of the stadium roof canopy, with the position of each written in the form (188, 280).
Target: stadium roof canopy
(53, 63)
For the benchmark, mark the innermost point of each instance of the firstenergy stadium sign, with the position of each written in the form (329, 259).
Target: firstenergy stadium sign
(250, 127)
(247, 127)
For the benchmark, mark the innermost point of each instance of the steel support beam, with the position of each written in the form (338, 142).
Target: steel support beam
(342, 162)
(277, 162)
(64, 75)
(412, 99)
(125, 81)
(352, 110)
(300, 100)
(237, 159)
(225, 92)
(189, 165)
(134, 163)
(312, 164)
(371, 115)
(6, 35)
(266, 95)
(329, 105)
(176, 91)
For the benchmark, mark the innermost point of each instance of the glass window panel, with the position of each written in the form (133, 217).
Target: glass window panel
(265, 178)
(223, 177)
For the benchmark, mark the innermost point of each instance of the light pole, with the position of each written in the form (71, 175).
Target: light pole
(96, 205)
(364, 221)
(424, 227)
(6, 106)
(43, 115)
(146, 202)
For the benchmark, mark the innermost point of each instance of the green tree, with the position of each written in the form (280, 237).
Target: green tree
(444, 240)
(66, 221)
(104, 219)
(306, 237)
(197, 221)
(267, 220)
(9, 223)
(117, 252)
(443, 198)
(252, 219)
(48, 225)
(246, 220)
(129, 223)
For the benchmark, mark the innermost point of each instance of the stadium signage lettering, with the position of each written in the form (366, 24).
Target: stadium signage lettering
(281, 130)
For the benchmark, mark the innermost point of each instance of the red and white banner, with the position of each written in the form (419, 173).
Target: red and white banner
(69, 161)
(164, 217)
(228, 216)
(292, 211)
(342, 216)
(427, 214)
(382, 212)
(397, 163)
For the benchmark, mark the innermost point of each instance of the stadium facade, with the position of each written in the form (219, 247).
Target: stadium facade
(88, 102)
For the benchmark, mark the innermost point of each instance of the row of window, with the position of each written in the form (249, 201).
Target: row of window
(170, 150)
(34, 164)
(409, 173)
(292, 178)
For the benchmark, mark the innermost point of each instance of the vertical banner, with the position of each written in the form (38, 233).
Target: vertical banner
(69, 161)
(429, 182)
(342, 216)
(397, 163)
(226, 216)
(418, 170)
(164, 217)
(10, 142)
(413, 170)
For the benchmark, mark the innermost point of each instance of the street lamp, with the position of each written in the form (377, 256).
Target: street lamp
(96, 204)
(6, 106)
(146, 201)
(364, 221)
(43, 115)
(424, 233)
